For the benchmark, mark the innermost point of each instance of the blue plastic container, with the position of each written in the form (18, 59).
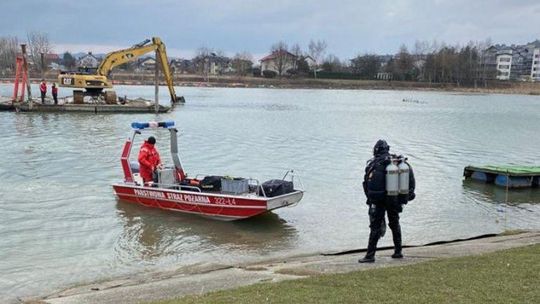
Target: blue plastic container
(513, 181)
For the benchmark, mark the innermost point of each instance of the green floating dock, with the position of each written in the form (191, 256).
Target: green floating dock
(505, 176)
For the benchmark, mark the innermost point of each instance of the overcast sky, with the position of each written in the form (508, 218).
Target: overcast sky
(349, 27)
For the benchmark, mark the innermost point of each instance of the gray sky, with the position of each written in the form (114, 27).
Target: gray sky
(349, 27)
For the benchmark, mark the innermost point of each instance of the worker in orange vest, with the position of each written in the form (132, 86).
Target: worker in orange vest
(43, 90)
(54, 91)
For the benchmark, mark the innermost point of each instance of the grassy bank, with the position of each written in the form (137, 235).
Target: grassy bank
(510, 276)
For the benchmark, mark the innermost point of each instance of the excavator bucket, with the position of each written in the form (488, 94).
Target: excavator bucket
(179, 99)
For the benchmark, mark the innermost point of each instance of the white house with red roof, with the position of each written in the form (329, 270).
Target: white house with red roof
(89, 61)
(279, 61)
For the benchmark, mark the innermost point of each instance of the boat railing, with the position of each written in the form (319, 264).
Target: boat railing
(256, 186)
(295, 179)
(190, 188)
(178, 187)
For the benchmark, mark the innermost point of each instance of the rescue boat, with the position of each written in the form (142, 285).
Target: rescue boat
(223, 198)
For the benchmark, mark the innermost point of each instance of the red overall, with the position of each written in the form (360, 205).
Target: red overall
(148, 161)
(43, 90)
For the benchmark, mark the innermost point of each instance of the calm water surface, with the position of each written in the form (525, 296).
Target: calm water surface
(61, 224)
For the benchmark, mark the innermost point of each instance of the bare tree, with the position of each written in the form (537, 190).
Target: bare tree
(332, 64)
(404, 63)
(282, 57)
(8, 52)
(421, 48)
(201, 60)
(38, 43)
(69, 61)
(483, 70)
(242, 63)
(316, 51)
(366, 66)
(297, 52)
(203, 51)
(218, 53)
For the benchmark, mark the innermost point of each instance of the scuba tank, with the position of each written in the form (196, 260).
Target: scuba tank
(403, 169)
(392, 179)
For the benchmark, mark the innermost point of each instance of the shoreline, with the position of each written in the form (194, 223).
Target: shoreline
(203, 278)
(491, 87)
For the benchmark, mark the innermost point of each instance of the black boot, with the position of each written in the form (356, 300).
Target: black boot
(372, 247)
(396, 236)
(367, 259)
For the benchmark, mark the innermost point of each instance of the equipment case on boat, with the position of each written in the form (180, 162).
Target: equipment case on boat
(276, 187)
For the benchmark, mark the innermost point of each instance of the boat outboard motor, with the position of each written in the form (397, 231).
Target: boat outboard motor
(403, 169)
(392, 179)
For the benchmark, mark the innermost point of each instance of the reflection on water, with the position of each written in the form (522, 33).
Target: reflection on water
(499, 195)
(515, 209)
(151, 233)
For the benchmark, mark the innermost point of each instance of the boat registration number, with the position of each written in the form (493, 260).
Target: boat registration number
(224, 201)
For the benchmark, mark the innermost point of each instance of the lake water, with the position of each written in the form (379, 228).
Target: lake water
(61, 224)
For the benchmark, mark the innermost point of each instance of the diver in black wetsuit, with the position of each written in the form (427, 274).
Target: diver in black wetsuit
(380, 203)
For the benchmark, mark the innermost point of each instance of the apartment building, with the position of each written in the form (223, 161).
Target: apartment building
(515, 62)
(504, 64)
(535, 66)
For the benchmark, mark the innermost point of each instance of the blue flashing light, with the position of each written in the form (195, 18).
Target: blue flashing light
(152, 124)
(169, 124)
(139, 125)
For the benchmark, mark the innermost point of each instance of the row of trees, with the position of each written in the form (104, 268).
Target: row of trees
(37, 43)
(431, 62)
(465, 65)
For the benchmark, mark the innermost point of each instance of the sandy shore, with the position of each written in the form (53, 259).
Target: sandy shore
(202, 278)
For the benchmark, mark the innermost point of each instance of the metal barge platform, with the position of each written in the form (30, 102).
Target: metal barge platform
(6, 104)
(510, 176)
(90, 108)
(91, 105)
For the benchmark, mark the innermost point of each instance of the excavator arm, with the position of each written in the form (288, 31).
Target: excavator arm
(162, 58)
(117, 58)
(122, 56)
(96, 82)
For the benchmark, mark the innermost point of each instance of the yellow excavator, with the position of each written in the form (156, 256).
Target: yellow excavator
(94, 81)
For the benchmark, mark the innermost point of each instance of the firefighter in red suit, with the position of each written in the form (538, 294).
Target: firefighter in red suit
(43, 90)
(149, 159)
(54, 91)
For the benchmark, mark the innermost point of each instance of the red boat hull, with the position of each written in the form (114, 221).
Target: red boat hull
(218, 206)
